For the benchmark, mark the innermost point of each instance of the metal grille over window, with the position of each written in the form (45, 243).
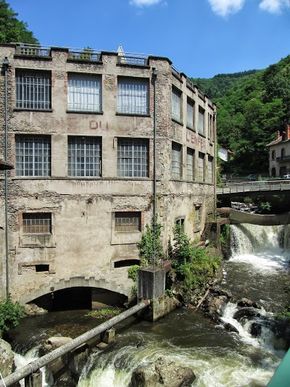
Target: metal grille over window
(36, 223)
(33, 90)
(176, 105)
(190, 114)
(84, 156)
(201, 166)
(201, 121)
(133, 96)
(84, 93)
(127, 221)
(33, 155)
(190, 164)
(132, 158)
(176, 161)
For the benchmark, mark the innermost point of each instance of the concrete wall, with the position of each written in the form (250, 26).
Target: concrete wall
(83, 242)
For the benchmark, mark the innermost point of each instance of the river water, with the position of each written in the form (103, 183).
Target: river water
(258, 269)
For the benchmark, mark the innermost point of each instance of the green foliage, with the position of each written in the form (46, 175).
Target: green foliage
(264, 207)
(12, 29)
(194, 266)
(225, 235)
(251, 107)
(150, 245)
(104, 313)
(133, 272)
(10, 315)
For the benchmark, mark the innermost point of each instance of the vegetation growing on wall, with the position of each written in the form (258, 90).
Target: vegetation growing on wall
(12, 29)
(150, 246)
(194, 266)
(252, 106)
(10, 315)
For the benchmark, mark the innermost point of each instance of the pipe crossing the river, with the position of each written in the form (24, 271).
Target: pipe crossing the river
(35, 365)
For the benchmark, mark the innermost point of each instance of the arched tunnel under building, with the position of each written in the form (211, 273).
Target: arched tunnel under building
(79, 298)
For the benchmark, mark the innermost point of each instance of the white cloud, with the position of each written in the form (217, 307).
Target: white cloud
(144, 3)
(226, 7)
(274, 6)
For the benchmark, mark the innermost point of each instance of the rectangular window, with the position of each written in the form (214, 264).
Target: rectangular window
(33, 90)
(176, 105)
(133, 157)
(209, 169)
(33, 155)
(176, 161)
(36, 223)
(210, 127)
(180, 223)
(84, 93)
(84, 156)
(190, 114)
(201, 120)
(133, 96)
(127, 221)
(201, 166)
(190, 164)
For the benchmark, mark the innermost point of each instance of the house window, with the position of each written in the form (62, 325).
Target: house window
(84, 93)
(33, 90)
(127, 221)
(84, 156)
(33, 154)
(132, 157)
(201, 166)
(190, 114)
(190, 164)
(201, 120)
(210, 126)
(180, 223)
(209, 169)
(273, 155)
(133, 96)
(176, 104)
(36, 223)
(176, 161)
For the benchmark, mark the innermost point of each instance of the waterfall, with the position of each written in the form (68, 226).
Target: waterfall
(260, 246)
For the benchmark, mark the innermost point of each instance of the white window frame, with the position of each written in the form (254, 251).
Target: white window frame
(33, 155)
(84, 93)
(133, 96)
(133, 157)
(33, 89)
(84, 156)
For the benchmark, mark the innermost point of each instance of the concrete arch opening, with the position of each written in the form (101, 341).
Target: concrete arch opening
(79, 297)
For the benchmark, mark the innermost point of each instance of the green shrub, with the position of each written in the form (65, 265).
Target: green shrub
(150, 245)
(133, 272)
(194, 266)
(10, 315)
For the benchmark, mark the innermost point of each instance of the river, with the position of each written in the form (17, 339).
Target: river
(257, 269)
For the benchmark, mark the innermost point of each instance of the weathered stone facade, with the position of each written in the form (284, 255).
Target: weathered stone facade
(279, 153)
(83, 245)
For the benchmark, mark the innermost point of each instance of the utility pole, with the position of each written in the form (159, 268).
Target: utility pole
(154, 220)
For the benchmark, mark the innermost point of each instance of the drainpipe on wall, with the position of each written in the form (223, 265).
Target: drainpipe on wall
(5, 66)
(215, 165)
(154, 220)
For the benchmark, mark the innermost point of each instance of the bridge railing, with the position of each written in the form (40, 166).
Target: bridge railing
(254, 186)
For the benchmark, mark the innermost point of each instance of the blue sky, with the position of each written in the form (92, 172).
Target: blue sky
(202, 37)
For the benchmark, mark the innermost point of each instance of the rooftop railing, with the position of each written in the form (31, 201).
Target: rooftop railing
(133, 60)
(84, 55)
(32, 50)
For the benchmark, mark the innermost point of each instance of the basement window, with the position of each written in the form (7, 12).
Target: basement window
(126, 263)
(127, 221)
(41, 268)
(36, 223)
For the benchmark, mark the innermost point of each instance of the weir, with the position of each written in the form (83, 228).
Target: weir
(34, 366)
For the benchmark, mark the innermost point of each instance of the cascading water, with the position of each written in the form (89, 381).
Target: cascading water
(257, 270)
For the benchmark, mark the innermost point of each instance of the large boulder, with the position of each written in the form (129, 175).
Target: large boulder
(162, 373)
(6, 358)
(33, 310)
(247, 303)
(248, 313)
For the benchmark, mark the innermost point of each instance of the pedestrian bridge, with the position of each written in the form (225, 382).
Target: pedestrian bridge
(243, 187)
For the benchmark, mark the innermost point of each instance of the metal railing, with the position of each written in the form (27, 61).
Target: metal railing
(283, 158)
(84, 55)
(133, 60)
(31, 50)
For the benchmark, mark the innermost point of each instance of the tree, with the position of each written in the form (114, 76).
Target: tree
(12, 29)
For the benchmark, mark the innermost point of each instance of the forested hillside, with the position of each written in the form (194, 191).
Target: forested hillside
(251, 107)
